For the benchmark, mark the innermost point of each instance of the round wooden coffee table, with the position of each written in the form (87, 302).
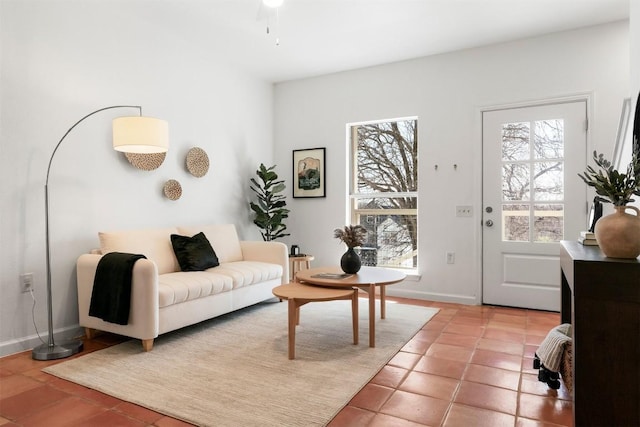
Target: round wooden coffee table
(298, 295)
(366, 279)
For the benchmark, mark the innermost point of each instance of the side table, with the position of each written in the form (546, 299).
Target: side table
(296, 263)
(298, 295)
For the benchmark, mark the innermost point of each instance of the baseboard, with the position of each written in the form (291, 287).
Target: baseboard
(29, 342)
(432, 296)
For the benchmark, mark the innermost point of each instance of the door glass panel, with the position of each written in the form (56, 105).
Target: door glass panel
(515, 141)
(515, 181)
(533, 157)
(515, 223)
(548, 141)
(548, 181)
(548, 223)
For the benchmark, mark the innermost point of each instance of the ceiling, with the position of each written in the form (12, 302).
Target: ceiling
(325, 36)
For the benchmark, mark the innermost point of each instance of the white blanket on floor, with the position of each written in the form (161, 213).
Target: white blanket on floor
(552, 347)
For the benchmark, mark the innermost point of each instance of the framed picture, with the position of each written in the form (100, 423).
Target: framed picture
(309, 172)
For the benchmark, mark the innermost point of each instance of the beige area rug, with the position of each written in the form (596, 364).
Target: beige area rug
(234, 370)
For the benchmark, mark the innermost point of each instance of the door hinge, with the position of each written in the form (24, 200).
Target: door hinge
(586, 125)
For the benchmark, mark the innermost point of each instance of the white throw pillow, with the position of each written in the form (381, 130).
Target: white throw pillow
(155, 244)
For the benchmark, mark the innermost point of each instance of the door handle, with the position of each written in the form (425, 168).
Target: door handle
(489, 223)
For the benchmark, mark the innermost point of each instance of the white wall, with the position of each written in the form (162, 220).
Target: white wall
(634, 37)
(61, 60)
(447, 93)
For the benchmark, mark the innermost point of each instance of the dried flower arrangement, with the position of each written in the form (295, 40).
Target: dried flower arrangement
(351, 235)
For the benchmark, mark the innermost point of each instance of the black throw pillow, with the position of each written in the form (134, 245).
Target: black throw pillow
(194, 253)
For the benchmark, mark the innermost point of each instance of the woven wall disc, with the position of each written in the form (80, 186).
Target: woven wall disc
(197, 162)
(146, 161)
(172, 189)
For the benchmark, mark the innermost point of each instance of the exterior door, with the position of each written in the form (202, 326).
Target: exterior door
(532, 199)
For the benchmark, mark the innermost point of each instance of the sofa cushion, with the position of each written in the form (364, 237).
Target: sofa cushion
(194, 253)
(175, 288)
(155, 244)
(223, 238)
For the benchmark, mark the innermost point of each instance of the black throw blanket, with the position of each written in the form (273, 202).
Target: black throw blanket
(111, 296)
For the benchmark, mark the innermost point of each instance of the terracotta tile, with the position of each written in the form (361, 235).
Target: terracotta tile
(416, 346)
(530, 350)
(415, 407)
(348, 417)
(467, 320)
(430, 385)
(109, 419)
(6, 423)
(99, 398)
(459, 340)
(548, 409)
(390, 376)
(475, 331)
(138, 412)
(492, 376)
(535, 340)
(404, 360)
(501, 346)
(435, 325)
(383, 420)
(16, 384)
(504, 335)
(450, 352)
(526, 422)
(30, 401)
(487, 397)
(497, 360)
(371, 397)
(171, 422)
(426, 335)
(21, 362)
(514, 317)
(465, 416)
(66, 412)
(442, 367)
(531, 385)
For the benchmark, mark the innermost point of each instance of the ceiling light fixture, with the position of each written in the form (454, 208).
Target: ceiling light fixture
(274, 5)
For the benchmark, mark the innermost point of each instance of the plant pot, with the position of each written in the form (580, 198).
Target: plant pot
(618, 234)
(350, 262)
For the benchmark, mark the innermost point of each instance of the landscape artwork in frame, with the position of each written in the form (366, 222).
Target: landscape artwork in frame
(309, 173)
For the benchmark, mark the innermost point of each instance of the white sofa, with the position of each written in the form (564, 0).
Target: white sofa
(164, 299)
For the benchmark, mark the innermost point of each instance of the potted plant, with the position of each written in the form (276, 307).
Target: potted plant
(271, 208)
(352, 236)
(618, 234)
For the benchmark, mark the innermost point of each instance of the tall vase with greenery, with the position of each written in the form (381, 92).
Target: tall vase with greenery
(270, 209)
(618, 234)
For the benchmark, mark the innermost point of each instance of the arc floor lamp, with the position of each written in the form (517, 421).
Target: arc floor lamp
(134, 134)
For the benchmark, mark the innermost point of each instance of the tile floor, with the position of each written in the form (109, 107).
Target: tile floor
(468, 366)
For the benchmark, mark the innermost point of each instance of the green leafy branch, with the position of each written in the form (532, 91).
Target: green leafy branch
(612, 186)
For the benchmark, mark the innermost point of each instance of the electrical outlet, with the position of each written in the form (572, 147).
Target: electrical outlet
(26, 282)
(451, 257)
(464, 211)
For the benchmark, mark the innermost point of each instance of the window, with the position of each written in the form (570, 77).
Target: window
(384, 191)
(533, 181)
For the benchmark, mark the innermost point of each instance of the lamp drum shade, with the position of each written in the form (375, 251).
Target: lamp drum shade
(140, 135)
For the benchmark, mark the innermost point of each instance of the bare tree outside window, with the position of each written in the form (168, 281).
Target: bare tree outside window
(385, 191)
(533, 171)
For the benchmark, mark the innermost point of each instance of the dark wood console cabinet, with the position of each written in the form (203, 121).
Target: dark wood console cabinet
(601, 299)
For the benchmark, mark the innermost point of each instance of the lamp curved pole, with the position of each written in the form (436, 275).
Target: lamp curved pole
(50, 350)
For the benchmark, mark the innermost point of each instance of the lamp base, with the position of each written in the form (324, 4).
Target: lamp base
(53, 352)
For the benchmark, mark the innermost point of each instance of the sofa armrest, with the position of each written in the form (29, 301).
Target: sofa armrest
(273, 252)
(144, 311)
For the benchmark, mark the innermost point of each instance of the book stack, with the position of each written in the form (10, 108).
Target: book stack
(587, 238)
